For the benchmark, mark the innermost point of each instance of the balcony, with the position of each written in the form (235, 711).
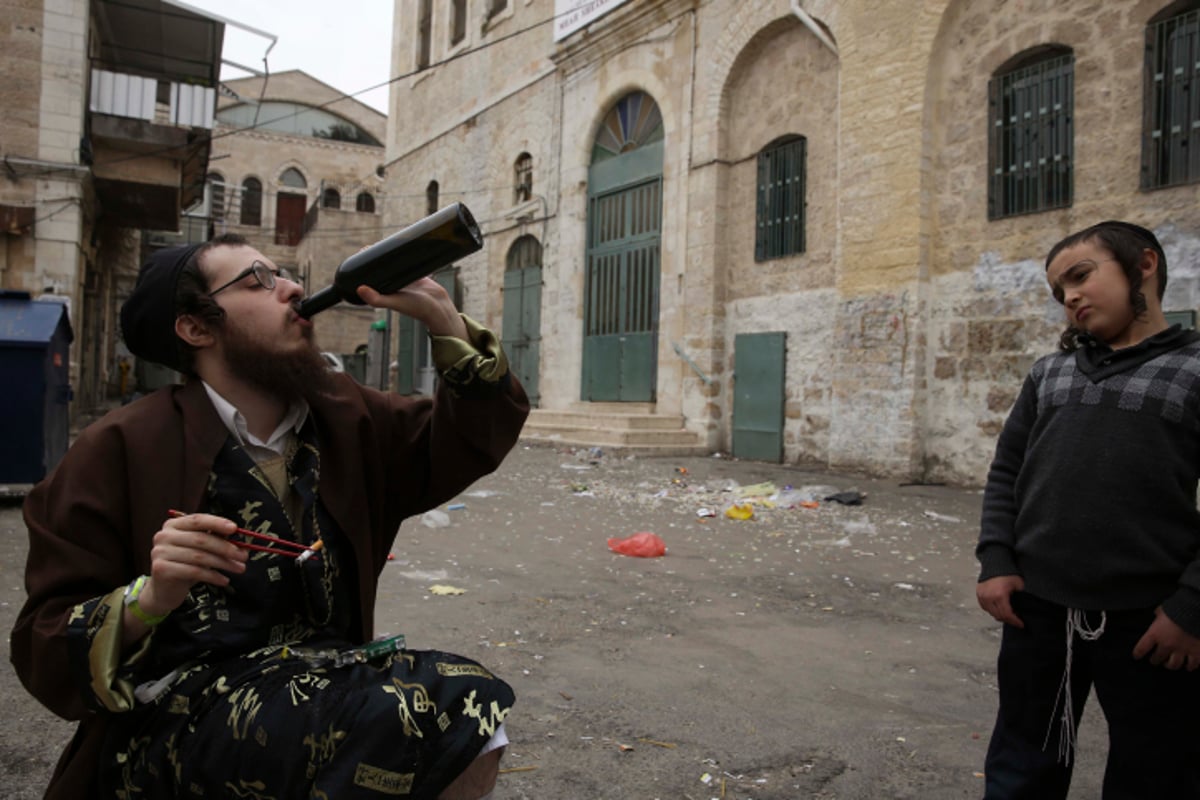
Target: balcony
(152, 100)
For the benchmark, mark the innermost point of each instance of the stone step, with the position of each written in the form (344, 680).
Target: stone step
(604, 419)
(613, 408)
(627, 448)
(615, 427)
(611, 435)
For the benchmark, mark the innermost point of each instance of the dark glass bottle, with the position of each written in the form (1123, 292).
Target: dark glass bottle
(393, 263)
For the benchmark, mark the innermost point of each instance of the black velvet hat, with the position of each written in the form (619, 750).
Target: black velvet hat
(148, 316)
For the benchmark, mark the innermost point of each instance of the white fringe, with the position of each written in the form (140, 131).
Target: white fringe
(1076, 623)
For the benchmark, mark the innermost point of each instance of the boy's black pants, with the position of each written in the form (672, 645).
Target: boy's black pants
(1153, 713)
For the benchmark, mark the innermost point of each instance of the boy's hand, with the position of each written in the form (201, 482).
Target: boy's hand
(994, 596)
(1168, 644)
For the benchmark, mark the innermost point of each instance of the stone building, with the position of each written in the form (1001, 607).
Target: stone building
(294, 169)
(107, 107)
(810, 230)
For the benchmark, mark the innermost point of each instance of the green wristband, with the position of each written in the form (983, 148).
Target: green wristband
(132, 592)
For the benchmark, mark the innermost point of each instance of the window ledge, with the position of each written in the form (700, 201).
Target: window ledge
(527, 208)
(490, 23)
(460, 47)
(420, 76)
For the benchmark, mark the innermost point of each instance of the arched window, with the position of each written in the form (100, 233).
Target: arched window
(1030, 134)
(526, 251)
(296, 119)
(365, 202)
(331, 199)
(634, 121)
(431, 197)
(216, 195)
(523, 175)
(1171, 130)
(251, 202)
(293, 179)
(779, 214)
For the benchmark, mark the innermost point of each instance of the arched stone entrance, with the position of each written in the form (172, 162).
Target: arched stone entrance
(621, 287)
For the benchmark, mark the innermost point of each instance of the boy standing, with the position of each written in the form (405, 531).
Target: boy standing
(1090, 538)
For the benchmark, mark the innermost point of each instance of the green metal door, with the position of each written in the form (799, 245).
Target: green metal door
(760, 361)
(413, 358)
(620, 344)
(620, 318)
(521, 332)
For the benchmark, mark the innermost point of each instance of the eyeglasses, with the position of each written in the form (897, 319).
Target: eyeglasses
(262, 273)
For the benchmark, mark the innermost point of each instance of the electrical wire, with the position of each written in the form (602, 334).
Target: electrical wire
(345, 96)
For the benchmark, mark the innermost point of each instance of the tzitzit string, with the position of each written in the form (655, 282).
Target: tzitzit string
(1076, 624)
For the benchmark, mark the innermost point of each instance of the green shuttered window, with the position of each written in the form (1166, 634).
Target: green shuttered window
(1031, 135)
(1171, 132)
(780, 216)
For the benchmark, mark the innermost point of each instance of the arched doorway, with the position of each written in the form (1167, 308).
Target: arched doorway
(621, 285)
(521, 333)
(290, 205)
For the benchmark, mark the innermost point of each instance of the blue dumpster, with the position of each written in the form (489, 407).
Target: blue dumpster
(35, 339)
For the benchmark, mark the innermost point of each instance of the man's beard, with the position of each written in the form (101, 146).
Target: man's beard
(302, 374)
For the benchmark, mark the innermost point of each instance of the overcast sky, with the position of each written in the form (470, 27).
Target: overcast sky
(346, 43)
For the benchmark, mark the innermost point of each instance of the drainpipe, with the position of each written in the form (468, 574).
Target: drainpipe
(812, 25)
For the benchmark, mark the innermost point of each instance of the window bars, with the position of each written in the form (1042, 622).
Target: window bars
(781, 203)
(1031, 138)
(1171, 129)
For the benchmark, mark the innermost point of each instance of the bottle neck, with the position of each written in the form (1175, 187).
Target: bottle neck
(326, 298)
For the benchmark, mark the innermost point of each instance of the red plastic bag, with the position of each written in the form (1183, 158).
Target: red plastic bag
(642, 545)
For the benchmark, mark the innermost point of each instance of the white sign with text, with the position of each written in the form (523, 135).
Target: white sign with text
(571, 15)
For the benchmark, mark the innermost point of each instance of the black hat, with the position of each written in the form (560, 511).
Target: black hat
(148, 316)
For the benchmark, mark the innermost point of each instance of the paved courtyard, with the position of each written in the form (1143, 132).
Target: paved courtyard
(827, 652)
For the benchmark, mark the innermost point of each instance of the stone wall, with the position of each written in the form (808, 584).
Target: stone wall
(911, 317)
(347, 167)
(991, 313)
(43, 63)
(20, 83)
(791, 294)
(474, 165)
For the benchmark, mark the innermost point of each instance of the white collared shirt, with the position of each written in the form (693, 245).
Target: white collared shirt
(276, 444)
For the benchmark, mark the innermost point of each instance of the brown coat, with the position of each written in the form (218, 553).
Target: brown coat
(92, 521)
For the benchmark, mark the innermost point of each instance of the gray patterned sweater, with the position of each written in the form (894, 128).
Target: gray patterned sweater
(1091, 496)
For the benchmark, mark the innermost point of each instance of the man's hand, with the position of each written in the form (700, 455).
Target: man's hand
(188, 550)
(424, 300)
(1168, 644)
(995, 597)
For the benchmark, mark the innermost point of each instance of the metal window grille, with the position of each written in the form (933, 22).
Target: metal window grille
(781, 201)
(1171, 130)
(624, 229)
(1031, 141)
